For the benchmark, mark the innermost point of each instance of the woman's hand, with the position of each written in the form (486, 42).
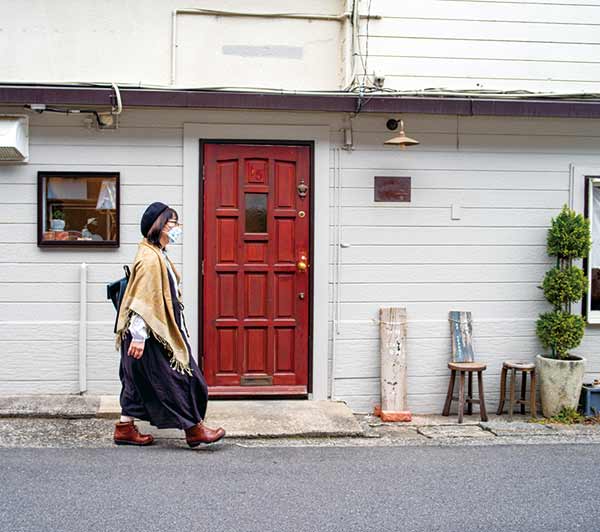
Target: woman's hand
(136, 349)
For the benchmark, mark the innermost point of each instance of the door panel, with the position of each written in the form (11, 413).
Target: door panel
(256, 296)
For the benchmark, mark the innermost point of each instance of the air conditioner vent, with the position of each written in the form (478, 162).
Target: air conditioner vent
(14, 138)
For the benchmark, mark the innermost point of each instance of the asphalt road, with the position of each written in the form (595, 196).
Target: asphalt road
(229, 488)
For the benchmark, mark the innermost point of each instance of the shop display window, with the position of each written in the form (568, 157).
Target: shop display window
(78, 209)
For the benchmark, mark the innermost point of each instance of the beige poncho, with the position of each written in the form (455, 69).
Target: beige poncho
(148, 294)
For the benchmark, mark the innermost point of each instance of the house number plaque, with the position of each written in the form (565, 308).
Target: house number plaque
(395, 189)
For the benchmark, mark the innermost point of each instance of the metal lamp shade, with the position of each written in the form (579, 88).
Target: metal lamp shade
(401, 140)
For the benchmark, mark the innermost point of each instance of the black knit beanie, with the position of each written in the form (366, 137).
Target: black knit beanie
(150, 215)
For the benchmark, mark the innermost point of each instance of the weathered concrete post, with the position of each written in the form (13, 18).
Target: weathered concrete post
(394, 390)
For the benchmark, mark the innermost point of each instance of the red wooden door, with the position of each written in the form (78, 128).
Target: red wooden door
(256, 292)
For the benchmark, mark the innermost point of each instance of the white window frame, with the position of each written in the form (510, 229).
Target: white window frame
(320, 135)
(593, 316)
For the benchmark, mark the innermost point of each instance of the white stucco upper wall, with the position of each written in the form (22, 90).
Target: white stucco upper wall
(533, 45)
(130, 42)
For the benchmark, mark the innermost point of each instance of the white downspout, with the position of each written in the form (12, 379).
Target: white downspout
(337, 200)
(83, 328)
(173, 45)
(349, 60)
(334, 293)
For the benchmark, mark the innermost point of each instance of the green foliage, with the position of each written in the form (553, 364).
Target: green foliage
(57, 214)
(564, 285)
(560, 331)
(569, 236)
(567, 416)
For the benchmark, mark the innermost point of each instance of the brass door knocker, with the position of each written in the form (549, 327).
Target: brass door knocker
(302, 189)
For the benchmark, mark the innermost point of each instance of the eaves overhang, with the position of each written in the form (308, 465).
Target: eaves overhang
(286, 101)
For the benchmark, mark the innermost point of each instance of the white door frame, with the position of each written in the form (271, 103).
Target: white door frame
(577, 186)
(192, 134)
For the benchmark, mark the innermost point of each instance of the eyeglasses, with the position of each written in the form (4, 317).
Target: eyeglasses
(174, 223)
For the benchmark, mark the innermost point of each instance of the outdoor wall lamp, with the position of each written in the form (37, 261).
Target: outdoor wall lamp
(400, 140)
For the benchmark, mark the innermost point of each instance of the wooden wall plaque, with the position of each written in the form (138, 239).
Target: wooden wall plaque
(392, 189)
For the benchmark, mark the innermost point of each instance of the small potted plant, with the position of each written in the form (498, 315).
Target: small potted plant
(561, 373)
(58, 220)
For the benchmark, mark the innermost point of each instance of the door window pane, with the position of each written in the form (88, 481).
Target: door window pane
(256, 213)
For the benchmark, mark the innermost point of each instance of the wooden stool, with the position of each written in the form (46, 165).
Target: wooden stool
(462, 368)
(524, 368)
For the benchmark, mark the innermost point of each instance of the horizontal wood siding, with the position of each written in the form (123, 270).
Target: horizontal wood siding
(483, 44)
(39, 289)
(509, 176)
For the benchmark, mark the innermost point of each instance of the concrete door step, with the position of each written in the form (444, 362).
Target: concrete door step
(264, 419)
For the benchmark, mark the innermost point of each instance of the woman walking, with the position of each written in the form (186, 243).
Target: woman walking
(161, 381)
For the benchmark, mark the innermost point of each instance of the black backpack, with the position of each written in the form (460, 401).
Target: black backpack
(116, 290)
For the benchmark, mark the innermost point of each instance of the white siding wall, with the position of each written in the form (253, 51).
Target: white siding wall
(530, 45)
(39, 290)
(508, 175)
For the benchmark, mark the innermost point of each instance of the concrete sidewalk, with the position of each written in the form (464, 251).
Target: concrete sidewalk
(498, 430)
(242, 419)
(288, 422)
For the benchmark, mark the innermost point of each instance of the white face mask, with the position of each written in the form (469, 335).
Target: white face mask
(174, 234)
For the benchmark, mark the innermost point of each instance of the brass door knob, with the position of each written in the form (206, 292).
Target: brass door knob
(302, 265)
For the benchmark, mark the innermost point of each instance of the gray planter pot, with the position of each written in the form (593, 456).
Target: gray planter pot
(57, 225)
(560, 383)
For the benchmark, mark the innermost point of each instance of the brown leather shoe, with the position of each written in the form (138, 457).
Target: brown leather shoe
(200, 433)
(126, 433)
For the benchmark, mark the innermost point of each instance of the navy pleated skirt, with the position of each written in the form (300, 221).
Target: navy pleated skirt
(153, 391)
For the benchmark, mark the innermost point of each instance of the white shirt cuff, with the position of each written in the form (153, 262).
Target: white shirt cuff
(137, 328)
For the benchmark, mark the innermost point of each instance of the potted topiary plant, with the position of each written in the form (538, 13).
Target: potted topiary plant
(561, 373)
(58, 220)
